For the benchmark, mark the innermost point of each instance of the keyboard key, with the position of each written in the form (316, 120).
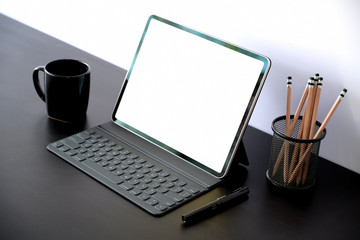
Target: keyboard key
(99, 145)
(133, 156)
(57, 144)
(160, 207)
(174, 196)
(86, 145)
(118, 148)
(77, 139)
(84, 135)
(180, 183)
(146, 180)
(135, 191)
(82, 150)
(107, 149)
(140, 160)
(126, 177)
(164, 174)
(101, 153)
(185, 194)
(96, 136)
(115, 162)
(70, 143)
(143, 197)
(144, 170)
(72, 152)
(153, 175)
(103, 140)
(126, 186)
(142, 186)
(152, 201)
(118, 172)
(149, 165)
(94, 149)
(123, 166)
(107, 158)
(134, 181)
(163, 199)
(173, 178)
(103, 163)
(130, 171)
(115, 153)
(110, 144)
(162, 189)
(161, 180)
(169, 184)
(129, 161)
(138, 175)
(150, 191)
(96, 159)
(93, 140)
(89, 154)
(110, 167)
(154, 185)
(122, 158)
(137, 166)
(191, 189)
(79, 157)
(64, 148)
(157, 169)
(125, 152)
(177, 189)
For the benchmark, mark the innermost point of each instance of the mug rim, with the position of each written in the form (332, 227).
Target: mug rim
(67, 60)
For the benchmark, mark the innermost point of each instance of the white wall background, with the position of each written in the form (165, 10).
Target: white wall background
(301, 37)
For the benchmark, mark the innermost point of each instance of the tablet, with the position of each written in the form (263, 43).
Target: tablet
(190, 94)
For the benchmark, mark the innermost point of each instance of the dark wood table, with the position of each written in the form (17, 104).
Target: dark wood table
(43, 197)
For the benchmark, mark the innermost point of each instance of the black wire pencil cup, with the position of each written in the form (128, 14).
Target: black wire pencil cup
(296, 139)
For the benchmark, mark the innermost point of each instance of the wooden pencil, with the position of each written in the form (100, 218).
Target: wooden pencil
(287, 130)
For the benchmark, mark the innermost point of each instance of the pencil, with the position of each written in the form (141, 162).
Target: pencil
(287, 128)
(319, 131)
(288, 105)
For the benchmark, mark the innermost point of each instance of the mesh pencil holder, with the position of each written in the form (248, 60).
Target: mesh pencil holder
(293, 161)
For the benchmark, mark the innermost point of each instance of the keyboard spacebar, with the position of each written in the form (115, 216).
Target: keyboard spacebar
(105, 173)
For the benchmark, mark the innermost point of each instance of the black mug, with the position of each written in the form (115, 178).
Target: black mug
(66, 89)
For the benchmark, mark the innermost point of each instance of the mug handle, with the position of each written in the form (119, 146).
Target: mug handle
(36, 81)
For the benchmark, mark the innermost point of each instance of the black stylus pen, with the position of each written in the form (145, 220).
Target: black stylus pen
(214, 206)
